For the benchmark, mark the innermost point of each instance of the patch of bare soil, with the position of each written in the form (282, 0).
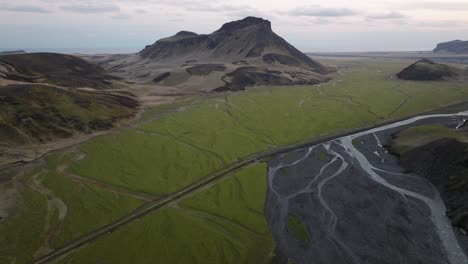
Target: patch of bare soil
(8, 200)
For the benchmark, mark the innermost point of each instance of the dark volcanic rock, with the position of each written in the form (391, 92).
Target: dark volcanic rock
(205, 69)
(253, 76)
(426, 70)
(272, 58)
(445, 163)
(456, 46)
(161, 77)
(234, 41)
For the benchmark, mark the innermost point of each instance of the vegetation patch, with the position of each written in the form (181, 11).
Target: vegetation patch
(23, 234)
(418, 136)
(298, 229)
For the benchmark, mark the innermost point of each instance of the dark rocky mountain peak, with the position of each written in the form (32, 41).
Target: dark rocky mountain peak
(184, 33)
(250, 38)
(246, 22)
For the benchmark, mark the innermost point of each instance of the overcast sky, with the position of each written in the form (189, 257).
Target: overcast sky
(310, 25)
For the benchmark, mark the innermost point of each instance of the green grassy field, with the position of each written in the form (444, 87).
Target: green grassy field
(223, 224)
(37, 227)
(179, 148)
(88, 207)
(417, 136)
(23, 235)
(164, 155)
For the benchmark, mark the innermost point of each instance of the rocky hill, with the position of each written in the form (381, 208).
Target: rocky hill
(427, 70)
(240, 54)
(49, 101)
(440, 154)
(456, 46)
(57, 69)
(33, 114)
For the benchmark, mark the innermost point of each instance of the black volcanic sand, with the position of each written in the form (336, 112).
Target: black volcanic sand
(352, 218)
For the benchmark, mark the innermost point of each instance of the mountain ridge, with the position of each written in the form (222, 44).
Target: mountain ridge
(454, 46)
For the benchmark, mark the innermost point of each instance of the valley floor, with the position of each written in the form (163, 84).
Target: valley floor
(79, 190)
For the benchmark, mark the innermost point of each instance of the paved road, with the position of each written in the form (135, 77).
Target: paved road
(358, 204)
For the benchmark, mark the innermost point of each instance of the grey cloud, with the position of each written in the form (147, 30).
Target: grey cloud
(91, 8)
(24, 8)
(387, 15)
(442, 5)
(318, 11)
(121, 16)
(439, 24)
(212, 6)
(141, 11)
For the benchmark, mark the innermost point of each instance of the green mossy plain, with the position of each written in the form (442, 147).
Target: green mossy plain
(223, 224)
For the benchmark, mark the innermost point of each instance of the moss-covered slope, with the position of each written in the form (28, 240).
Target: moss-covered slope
(39, 113)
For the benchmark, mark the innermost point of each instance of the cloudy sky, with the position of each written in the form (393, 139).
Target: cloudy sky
(311, 25)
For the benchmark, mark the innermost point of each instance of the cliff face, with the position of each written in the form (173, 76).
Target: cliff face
(456, 46)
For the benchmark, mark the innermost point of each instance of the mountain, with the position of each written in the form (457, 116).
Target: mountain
(12, 52)
(427, 70)
(240, 54)
(57, 69)
(456, 46)
(234, 41)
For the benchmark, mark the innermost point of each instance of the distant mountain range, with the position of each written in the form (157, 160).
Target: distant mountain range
(456, 46)
(12, 52)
